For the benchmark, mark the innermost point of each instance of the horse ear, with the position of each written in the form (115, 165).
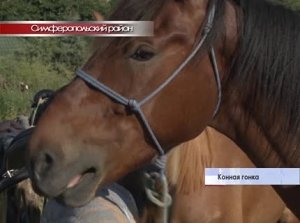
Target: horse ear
(98, 16)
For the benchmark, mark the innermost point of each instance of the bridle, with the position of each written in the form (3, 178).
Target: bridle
(134, 106)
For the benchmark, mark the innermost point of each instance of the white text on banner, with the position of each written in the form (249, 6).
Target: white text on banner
(252, 176)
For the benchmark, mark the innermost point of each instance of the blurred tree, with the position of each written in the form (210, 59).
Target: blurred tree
(52, 10)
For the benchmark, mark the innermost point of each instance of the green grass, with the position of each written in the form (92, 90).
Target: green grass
(35, 74)
(10, 44)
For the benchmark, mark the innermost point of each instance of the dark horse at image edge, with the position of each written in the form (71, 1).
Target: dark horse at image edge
(95, 139)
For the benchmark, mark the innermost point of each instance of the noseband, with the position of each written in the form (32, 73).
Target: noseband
(135, 106)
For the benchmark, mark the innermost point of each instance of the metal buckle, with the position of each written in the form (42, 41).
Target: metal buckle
(9, 174)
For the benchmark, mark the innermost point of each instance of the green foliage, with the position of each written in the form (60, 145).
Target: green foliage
(52, 10)
(66, 52)
(70, 51)
(14, 99)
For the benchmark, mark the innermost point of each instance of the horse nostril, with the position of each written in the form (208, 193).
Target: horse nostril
(49, 159)
(42, 164)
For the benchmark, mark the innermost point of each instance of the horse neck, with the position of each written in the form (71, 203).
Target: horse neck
(260, 101)
(256, 138)
(186, 163)
(264, 126)
(265, 150)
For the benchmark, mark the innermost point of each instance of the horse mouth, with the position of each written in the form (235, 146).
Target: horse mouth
(81, 178)
(80, 189)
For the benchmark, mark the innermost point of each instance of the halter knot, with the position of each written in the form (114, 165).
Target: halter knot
(207, 28)
(160, 162)
(133, 105)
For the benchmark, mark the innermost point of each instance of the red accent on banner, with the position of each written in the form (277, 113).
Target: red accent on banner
(63, 28)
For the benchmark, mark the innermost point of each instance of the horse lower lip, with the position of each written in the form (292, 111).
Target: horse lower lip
(80, 177)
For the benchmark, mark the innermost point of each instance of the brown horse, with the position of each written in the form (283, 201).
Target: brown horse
(96, 136)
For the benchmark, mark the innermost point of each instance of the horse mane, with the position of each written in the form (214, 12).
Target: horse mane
(266, 67)
(187, 162)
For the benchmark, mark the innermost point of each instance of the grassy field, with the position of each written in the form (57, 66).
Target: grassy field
(16, 74)
(22, 75)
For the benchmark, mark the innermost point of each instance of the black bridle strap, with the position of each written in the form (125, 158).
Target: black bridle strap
(135, 106)
(13, 177)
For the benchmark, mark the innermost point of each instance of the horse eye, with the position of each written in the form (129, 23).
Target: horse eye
(142, 55)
